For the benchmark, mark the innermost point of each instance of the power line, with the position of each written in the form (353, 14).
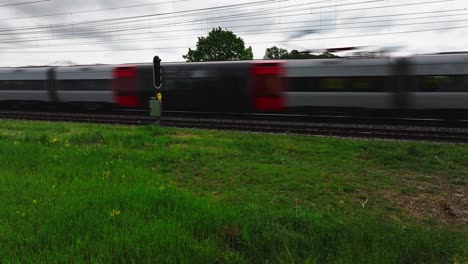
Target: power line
(389, 33)
(249, 43)
(36, 39)
(267, 24)
(86, 51)
(357, 9)
(114, 8)
(93, 10)
(84, 34)
(364, 35)
(283, 14)
(144, 27)
(25, 3)
(249, 32)
(253, 13)
(153, 15)
(49, 27)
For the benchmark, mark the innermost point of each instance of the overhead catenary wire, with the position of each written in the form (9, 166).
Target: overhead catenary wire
(25, 3)
(46, 28)
(120, 41)
(84, 35)
(146, 26)
(256, 17)
(283, 15)
(248, 43)
(242, 17)
(366, 35)
(116, 8)
(93, 10)
(182, 13)
(323, 27)
(246, 14)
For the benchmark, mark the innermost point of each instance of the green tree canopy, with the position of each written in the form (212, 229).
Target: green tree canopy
(296, 55)
(275, 53)
(219, 45)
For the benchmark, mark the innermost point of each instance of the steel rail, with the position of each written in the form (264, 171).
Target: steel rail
(259, 123)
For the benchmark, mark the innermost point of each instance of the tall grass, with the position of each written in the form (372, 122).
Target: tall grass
(93, 194)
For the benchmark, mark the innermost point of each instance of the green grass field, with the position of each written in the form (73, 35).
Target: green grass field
(114, 194)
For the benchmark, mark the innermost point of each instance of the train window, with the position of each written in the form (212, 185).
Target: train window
(361, 84)
(4, 85)
(443, 83)
(303, 84)
(432, 83)
(22, 85)
(337, 84)
(367, 84)
(84, 85)
(332, 84)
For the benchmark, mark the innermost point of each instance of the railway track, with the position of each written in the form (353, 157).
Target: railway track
(422, 121)
(407, 129)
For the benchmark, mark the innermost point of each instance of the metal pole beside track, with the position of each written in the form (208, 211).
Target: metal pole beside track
(155, 103)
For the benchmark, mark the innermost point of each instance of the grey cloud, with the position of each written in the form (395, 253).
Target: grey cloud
(53, 26)
(87, 33)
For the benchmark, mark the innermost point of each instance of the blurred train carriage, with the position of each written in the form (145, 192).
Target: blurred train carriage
(339, 83)
(428, 82)
(26, 85)
(209, 86)
(206, 86)
(83, 84)
(441, 82)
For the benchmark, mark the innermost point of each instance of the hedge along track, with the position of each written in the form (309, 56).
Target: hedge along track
(268, 124)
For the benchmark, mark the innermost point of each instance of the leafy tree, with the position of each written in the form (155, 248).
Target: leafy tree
(296, 55)
(327, 55)
(275, 53)
(283, 54)
(219, 45)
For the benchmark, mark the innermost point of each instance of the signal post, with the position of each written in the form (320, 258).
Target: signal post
(156, 102)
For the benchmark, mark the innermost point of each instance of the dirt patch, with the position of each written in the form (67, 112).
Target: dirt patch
(430, 198)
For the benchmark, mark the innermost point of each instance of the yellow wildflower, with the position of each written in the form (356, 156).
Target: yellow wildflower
(115, 213)
(107, 174)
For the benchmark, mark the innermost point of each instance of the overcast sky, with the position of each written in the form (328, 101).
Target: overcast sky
(108, 31)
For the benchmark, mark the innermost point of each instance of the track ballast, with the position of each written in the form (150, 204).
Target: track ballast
(356, 127)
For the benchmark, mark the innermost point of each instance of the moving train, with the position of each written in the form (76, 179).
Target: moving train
(425, 82)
